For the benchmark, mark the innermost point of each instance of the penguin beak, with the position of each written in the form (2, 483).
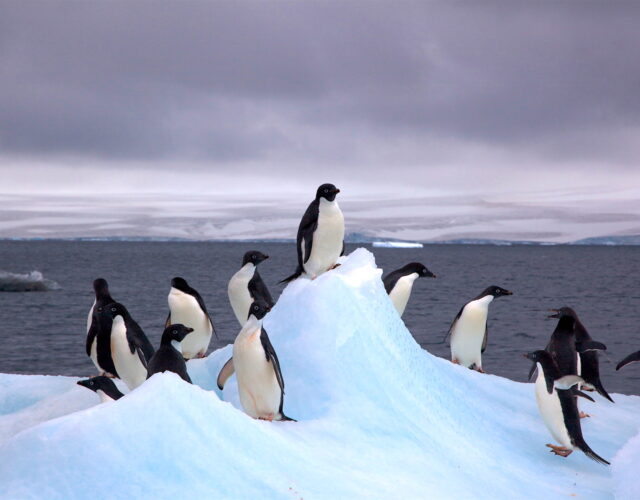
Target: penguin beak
(555, 315)
(189, 330)
(83, 383)
(528, 356)
(336, 191)
(508, 292)
(429, 274)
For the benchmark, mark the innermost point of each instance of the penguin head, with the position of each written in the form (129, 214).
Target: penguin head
(100, 287)
(543, 357)
(175, 332)
(180, 284)
(254, 257)
(259, 309)
(97, 383)
(418, 268)
(563, 312)
(496, 291)
(327, 191)
(112, 310)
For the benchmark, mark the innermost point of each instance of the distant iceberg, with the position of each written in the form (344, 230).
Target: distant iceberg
(28, 282)
(397, 244)
(378, 418)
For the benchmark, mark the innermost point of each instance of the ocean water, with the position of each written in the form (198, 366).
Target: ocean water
(45, 332)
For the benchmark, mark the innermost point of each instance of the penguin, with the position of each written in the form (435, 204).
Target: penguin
(469, 330)
(103, 387)
(399, 283)
(589, 368)
(168, 357)
(320, 240)
(631, 358)
(186, 307)
(260, 382)
(98, 332)
(246, 286)
(130, 347)
(558, 407)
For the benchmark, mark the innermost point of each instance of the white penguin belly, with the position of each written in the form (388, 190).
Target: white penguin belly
(328, 239)
(468, 333)
(186, 310)
(257, 383)
(238, 291)
(402, 291)
(128, 364)
(551, 411)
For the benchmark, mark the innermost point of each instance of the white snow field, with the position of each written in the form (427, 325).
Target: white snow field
(379, 418)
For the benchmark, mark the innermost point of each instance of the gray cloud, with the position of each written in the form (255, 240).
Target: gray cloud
(346, 86)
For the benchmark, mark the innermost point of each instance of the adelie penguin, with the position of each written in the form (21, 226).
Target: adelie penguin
(320, 240)
(558, 407)
(130, 347)
(631, 358)
(260, 382)
(186, 307)
(98, 344)
(589, 367)
(168, 357)
(566, 351)
(247, 286)
(103, 387)
(469, 330)
(399, 283)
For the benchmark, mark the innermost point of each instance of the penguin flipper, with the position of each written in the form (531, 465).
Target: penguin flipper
(567, 382)
(584, 395)
(168, 321)
(631, 358)
(531, 371)
(453, 324)
(226, 371)
(138, 341)
(91, 335)
(485, 339)
(590, 345)
(293, 276)
(272, 356)
(143, 360)
(308, 226)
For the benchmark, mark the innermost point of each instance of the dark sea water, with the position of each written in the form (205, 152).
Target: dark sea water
(44, 332)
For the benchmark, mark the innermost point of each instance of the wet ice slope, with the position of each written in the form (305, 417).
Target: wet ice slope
(378, 418)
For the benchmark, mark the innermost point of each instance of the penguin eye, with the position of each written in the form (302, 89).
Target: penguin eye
(113, 309)
(175, 332)
(326, 190)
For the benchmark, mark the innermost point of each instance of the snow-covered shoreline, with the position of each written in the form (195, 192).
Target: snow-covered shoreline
(378, 418)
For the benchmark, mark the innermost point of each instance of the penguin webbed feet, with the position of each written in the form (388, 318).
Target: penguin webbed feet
(584, 415)
(560, 450)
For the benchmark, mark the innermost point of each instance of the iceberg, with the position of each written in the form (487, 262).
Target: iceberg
(378, 418)
(397, 244)
(27, 282)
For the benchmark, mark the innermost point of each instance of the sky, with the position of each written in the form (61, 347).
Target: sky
(500, 102)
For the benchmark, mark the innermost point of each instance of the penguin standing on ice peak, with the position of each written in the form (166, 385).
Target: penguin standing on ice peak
(103, 387)
(98, 344)
(168, 357)
(558, 407)
(469, 330)
(130, 347)
(260, 382)
(399, 283)
(320, 240)
(187, 308)
(247, 286)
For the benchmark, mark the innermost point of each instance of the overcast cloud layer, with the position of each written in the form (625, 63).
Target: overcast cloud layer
(406, 99)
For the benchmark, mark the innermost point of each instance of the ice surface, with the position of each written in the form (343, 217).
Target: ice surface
(625, 471)
(378, 418)
(27, 282)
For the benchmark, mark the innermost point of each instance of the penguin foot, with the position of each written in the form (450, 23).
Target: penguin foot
(455, 361)
(584, 415)
(587, 388)
(334, 266)
(560, 450)
(200, 355)
(268, 418)
(479, 369)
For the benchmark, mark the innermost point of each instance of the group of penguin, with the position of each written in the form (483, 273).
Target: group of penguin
(119, 348)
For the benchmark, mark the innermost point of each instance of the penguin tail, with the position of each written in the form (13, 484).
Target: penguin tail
(284, 418)
(584, 447)
(602, 391)
(293, 276)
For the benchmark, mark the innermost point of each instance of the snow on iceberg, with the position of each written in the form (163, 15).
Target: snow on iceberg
(379, 418)
(27, 282)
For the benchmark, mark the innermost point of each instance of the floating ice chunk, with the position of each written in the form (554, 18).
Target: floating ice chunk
(396, 244)
(28, 282)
